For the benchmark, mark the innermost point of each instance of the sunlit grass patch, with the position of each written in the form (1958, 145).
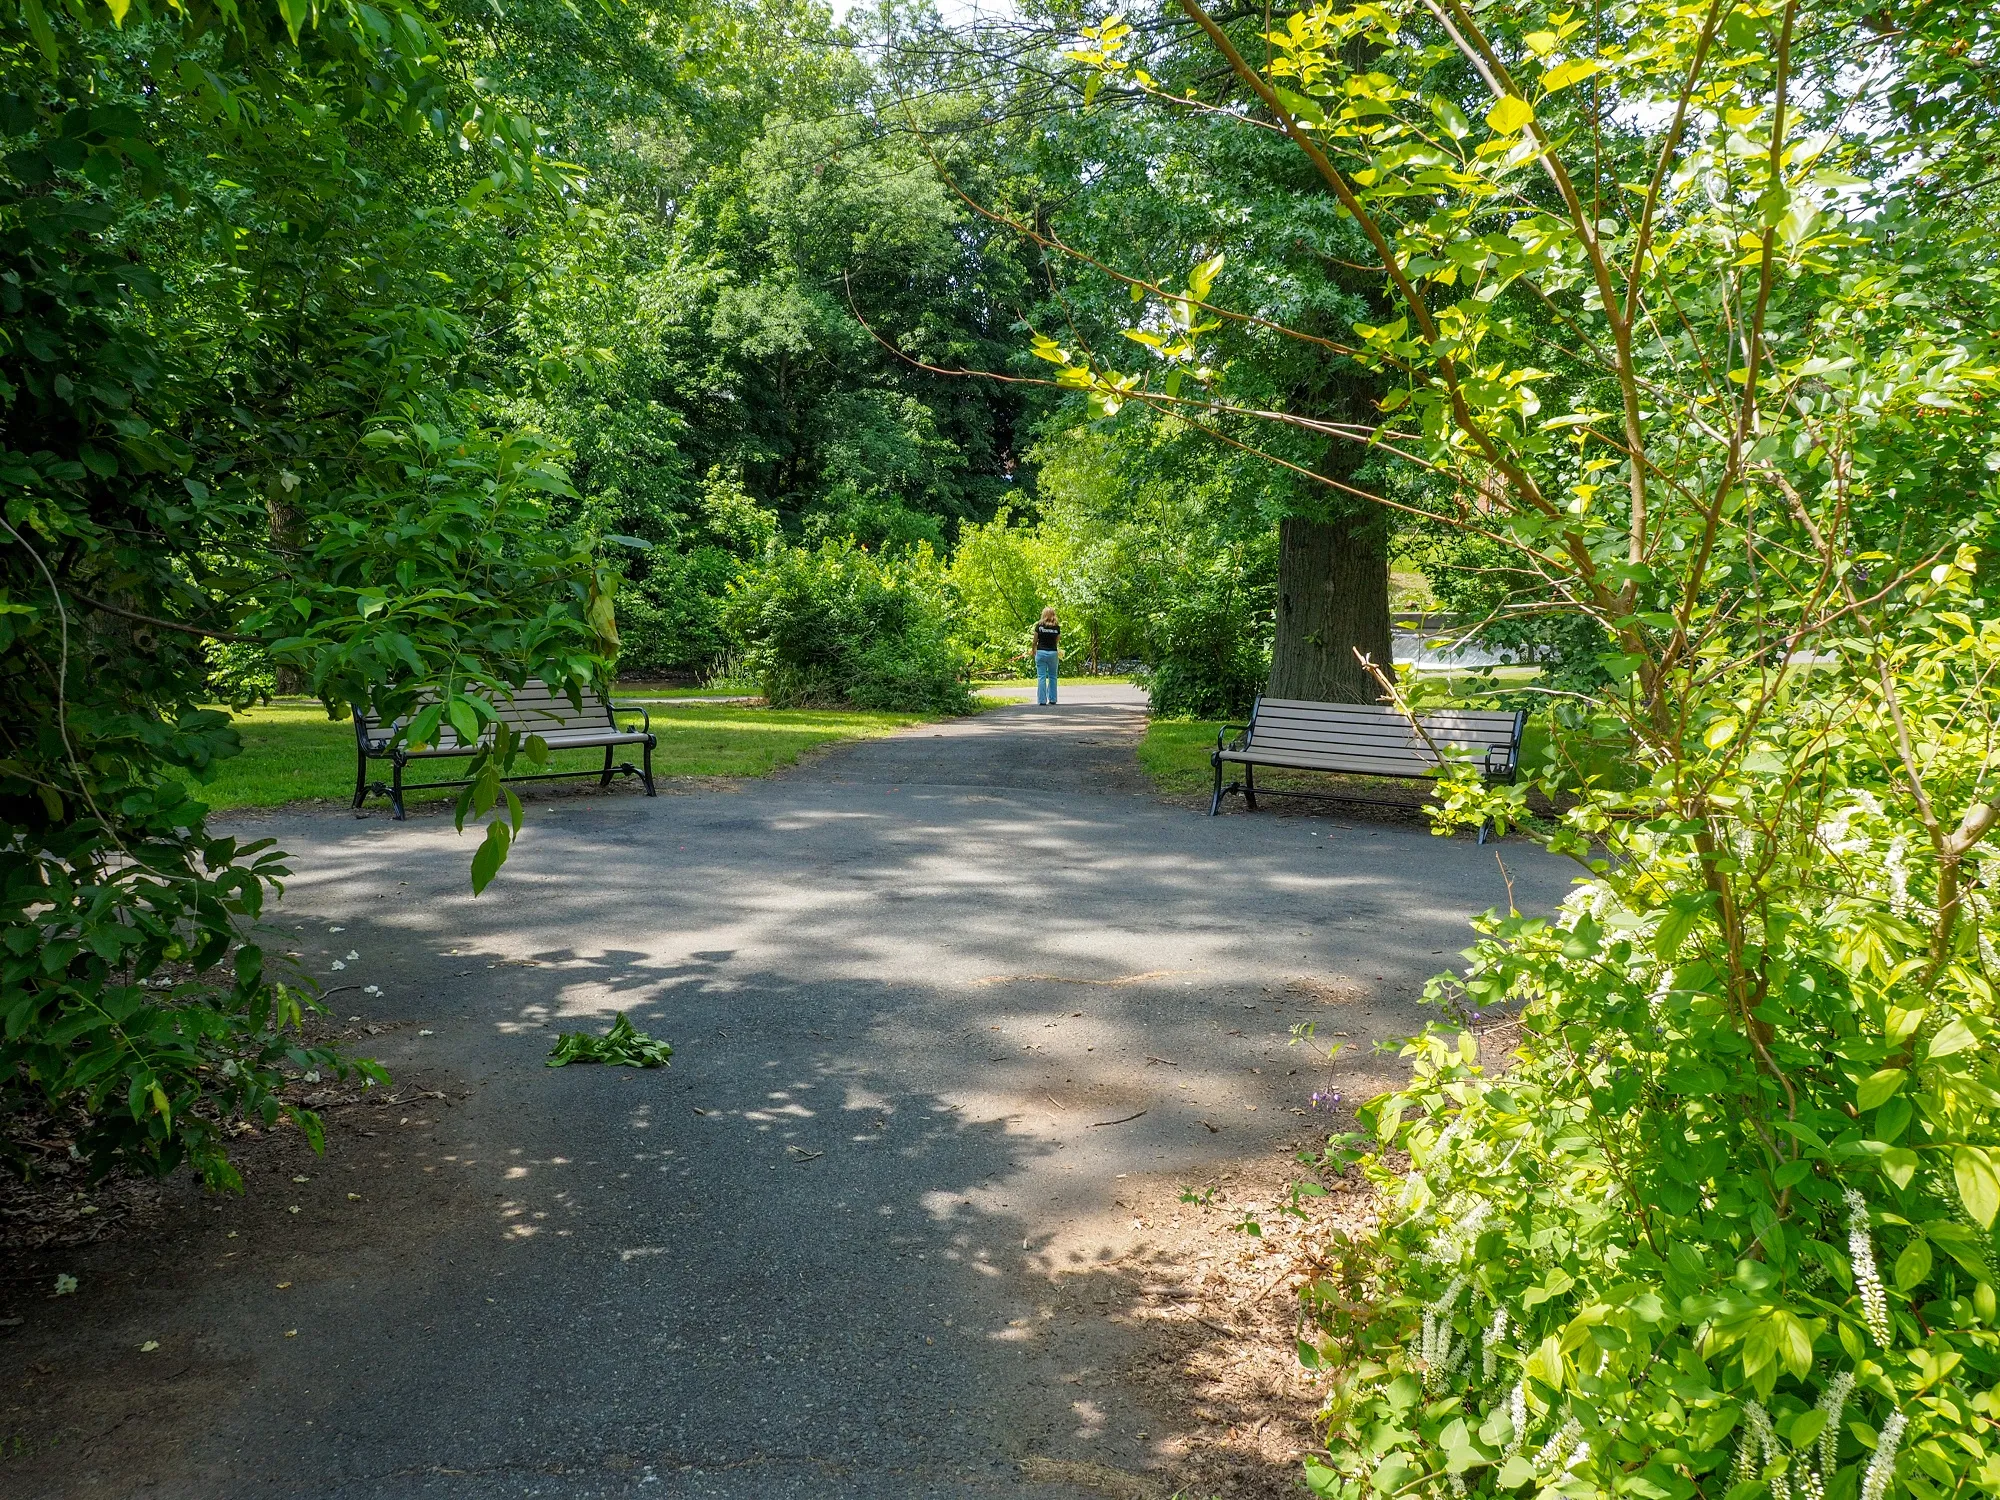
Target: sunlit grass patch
(293, 753)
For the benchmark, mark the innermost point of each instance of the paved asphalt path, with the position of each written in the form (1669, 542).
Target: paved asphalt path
(912, 985)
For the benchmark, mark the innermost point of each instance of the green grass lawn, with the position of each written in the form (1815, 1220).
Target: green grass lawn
(1175, 754)
(293, 753)
(648, 691)
(1079, 679)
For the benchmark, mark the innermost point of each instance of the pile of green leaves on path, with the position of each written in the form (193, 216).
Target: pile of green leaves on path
(839, 625)
(1684, 335)
(621, 1045)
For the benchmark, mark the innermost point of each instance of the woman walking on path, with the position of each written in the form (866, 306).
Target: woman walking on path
(1047, 633)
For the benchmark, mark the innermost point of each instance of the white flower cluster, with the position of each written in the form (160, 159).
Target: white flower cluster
(1882, 1467)
(1899, 877)
(1489, 1357)
(1867, 1280)
(1449, 1244)
(1565, 1449)
(1517, 1413)
(1832, 1406)
(1589, 900)
(1835, 832)
(1833, 1401)
(1438, 1344)
(1757, 1448)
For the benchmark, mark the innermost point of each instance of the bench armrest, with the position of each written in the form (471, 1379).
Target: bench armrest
(1507, 756)
(1222, 740)
(629, 707)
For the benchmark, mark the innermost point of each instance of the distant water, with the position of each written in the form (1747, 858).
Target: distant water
(1414, 648)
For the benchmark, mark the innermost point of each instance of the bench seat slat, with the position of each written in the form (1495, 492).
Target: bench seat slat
(1375, 734)
(591, 741)
(1360, 765)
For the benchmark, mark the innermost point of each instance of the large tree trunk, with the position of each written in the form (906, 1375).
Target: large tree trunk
(1333, 599)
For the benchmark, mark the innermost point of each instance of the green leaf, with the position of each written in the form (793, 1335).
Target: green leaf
(1913, 1265)
(1899, 1165)
(1963, 1245)
(40, 30)
(1876, 1089)
(1562, 75)
(1452, 118)
(423, 729)
(1202, 278)
(1510, 116)
(464, 720)
(1978, 1183)
(1953, 1036)
(1675, 924)
(491, 854)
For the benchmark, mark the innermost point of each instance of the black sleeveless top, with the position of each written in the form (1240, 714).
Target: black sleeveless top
(1045, 637)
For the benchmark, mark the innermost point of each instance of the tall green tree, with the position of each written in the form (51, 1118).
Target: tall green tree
(1148, 183)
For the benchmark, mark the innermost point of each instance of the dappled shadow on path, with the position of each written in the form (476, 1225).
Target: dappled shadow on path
(898, 1221)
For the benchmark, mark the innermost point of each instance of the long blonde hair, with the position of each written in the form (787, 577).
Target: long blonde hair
(1049, 615)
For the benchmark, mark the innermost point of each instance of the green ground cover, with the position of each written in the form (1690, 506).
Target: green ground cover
(1077, 679)
(293, 753)
(648, 691)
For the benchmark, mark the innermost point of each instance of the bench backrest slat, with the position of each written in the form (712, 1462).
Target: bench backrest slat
(533, 709)
(1376, 733)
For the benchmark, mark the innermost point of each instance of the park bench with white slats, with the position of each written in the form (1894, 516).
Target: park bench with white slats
(532, 709)
(1360, 739)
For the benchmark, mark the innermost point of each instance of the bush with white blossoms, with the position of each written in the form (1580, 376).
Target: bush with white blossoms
(1723, 1222)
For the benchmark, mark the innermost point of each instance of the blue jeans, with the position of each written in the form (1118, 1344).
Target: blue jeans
(1045, 677)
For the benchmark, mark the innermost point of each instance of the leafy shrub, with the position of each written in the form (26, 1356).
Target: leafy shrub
(240, 672)
(1728, 1214)
(837, 625)
(673, 603)
(1209, 660)
(359, 527)
(672, 618)
(870, 519)
(1003, 574)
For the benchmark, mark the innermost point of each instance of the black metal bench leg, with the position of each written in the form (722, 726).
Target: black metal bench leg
(1483, 827)
(1250, 786)
(396, 790)
(360, 777)
(605, 779)
(1215, 802)
(646, 774)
